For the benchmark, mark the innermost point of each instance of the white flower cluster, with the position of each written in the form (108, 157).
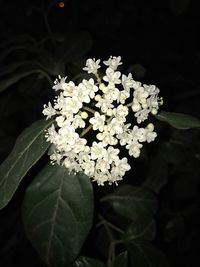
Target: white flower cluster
(101, 104)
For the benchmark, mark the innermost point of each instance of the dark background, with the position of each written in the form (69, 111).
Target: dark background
(158, 43)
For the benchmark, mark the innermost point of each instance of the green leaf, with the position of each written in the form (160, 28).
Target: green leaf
(9, 68)
(157, 175)
(14, 48)
(29, 148)
(141, 231)
(88, 262)
(179, 120)
(121, 260)
(4, 84)
(144, 254)
(57, 214)
(132, 202)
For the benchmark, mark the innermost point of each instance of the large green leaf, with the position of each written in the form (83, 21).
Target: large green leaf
(8, 51)
(9, 68)
(141, 231)
(132, 202)
(4, 84)
(158, 170)
(179, 120)
(88, 262)
(29, 147)
(144, 254)
(57, 214)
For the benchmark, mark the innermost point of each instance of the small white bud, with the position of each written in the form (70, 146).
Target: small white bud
(154, 111)
(99, 136)
(97, 97)
(84, 115)
(101, 86)
(150, 126)
(136, 107)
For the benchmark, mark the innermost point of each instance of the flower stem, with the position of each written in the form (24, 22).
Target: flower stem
(86, 130)
(129, 104)
(89, 109)
(98, 78)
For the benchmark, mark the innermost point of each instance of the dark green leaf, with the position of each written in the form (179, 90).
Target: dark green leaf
(121, 260)
(141, 231)
(50, 63)
(179, 120)
(7, 69)
(88, 262)
(146, 255)
(13, 48)
(4, 84)
(132, 202)
(57, 213)
(158, 171)
(29, 147)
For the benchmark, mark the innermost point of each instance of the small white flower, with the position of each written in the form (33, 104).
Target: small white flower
(101, 178)
(113, 62)
(102, 165)
(97, 150)
(127, 82)
(120, 113)
(142, 115)
(112, 76)
(48, 111)
(69, 89)
(98, 121)
(73, 104)
(78, 122)
(69, 134)
(115, 126)
(92, 65)
(91, 87)
(59, 85)
(122, 96)
(121, 166)
(51, 135)
(104, 104)
(150, 135)
(88, 167)
(79, 145)
(107, 138)
(134, 149)
(112, 154)
(56, 158)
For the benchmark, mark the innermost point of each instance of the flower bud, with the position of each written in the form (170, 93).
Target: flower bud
(84, 115)
(97, 97)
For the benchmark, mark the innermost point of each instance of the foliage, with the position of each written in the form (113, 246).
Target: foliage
(59, 219)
